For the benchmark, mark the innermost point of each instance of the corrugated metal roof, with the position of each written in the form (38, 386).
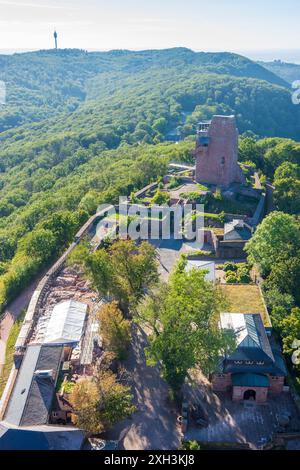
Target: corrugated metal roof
(66, 323)
(205, 265)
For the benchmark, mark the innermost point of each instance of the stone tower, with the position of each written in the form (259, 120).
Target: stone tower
(216, 152)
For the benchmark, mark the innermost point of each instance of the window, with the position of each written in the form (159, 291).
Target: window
(223, 161)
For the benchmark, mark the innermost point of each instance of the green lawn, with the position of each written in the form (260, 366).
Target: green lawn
(9, 354)
(245, 299)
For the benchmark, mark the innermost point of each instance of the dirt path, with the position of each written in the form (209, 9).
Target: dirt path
(11, 314)
(154, 424)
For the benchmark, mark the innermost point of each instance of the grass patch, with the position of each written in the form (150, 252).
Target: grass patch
(10, 348)
(202, 187)
(246, 299)
(231, 207)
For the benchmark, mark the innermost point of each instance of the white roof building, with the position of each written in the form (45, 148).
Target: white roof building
(66, 323)
(207, 265)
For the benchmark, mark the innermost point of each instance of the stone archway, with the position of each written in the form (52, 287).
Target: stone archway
(250, 395)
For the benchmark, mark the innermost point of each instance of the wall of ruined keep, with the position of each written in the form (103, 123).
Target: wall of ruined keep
(217, 163)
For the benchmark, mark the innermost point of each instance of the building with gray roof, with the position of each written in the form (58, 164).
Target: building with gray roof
(237, 229)
(40, 438)
(253, 368)
(34, 389)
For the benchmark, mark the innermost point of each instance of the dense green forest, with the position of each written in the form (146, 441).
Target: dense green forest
(81, 128)
(288, 72)
(279, 161)
(163, 84)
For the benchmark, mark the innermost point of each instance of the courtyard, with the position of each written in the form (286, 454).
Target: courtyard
(245, 422)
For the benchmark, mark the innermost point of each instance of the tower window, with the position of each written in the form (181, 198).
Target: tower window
(223, 161)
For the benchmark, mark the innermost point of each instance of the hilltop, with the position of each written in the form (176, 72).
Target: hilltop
(287, 71)
(80, 128)
(44, 84)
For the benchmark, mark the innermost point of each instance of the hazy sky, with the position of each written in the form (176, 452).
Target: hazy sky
(144, 24)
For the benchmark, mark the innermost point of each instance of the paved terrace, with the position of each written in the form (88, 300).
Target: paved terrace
(244, 422)
(185, 188)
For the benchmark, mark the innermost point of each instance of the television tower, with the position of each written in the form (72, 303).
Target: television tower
(55, 38)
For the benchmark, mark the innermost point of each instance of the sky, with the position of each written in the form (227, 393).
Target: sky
(212, 25)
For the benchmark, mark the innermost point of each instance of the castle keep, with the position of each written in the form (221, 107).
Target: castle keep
(217, 151)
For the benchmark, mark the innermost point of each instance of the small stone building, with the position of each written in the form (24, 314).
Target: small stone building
(216, 152)
(232, 244)
(254, 369)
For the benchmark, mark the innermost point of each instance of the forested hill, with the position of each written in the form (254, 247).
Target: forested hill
(80, 129)
(44, 84)
(287, 71)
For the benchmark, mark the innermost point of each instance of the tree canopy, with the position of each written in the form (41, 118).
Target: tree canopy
(124, 270)
(276, 238)
(183, 317)
(101, 402)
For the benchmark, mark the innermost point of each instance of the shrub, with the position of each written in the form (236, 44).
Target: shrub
(175, 181)
(190, 445)
(228, 266)
(160, 198)
(244, 277)
(231, 277)
(218, 195)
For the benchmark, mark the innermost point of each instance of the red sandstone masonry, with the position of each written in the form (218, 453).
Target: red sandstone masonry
(276, 384)
(217, 162)
(221, 382)
(261, 393)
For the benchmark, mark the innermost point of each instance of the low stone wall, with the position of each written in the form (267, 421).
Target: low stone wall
(38, 295)
(7, 391)
(142, 192)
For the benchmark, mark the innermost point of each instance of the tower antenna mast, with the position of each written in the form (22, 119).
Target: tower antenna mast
(55, 38)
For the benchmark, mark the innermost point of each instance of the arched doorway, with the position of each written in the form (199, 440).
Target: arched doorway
(250, 395)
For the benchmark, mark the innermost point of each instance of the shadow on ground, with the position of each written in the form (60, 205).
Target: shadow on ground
(154, 424)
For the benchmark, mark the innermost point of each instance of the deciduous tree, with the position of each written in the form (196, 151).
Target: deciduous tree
(114, 330)
(276, 238)
(184, 319)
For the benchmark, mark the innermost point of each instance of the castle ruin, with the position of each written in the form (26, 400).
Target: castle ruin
(216, 152)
